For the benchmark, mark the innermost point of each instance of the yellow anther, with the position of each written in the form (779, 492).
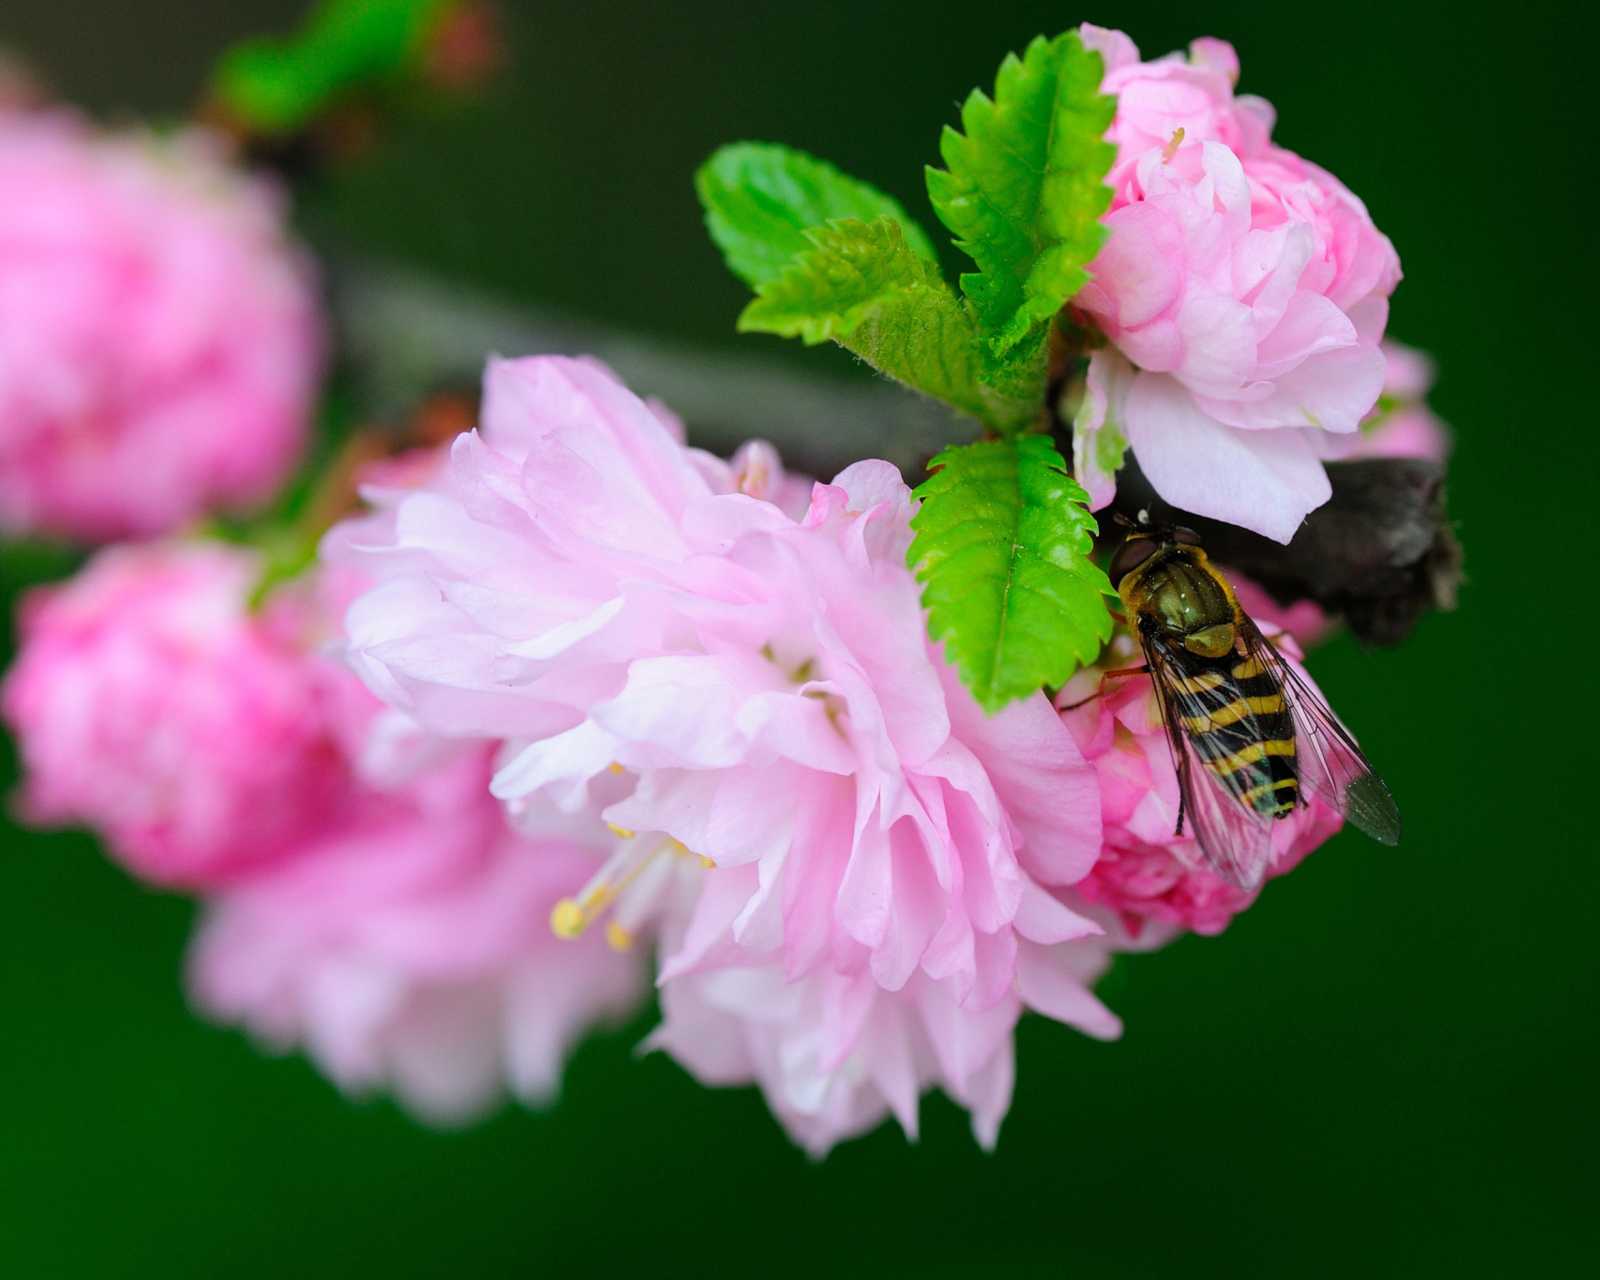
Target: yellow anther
(621, 831)
(619, 938)
(571, 916)
(706, 862)
(1177, 141)
(614, 767)
(566, 919)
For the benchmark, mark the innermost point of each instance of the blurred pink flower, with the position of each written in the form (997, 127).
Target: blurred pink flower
(159, 337)
(617, 605)
(1403, 426)
(408, 948)
(150, 704)
(1244, 291)
(1145, 873)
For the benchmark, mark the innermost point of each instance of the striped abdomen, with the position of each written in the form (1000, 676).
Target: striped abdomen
(1235, 715)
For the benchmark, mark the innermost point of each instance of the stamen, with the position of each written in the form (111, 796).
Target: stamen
(755, 480)
(566, 919)
(572, 916)
(1177, 141)
(619, 938)
(614, 767)
(621, 831)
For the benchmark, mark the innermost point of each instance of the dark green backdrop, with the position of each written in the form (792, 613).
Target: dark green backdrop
(1386, 1068)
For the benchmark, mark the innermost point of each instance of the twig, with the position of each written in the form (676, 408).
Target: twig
(1379, 553)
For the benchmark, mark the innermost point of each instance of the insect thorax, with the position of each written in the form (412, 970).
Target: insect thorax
(1177, 593)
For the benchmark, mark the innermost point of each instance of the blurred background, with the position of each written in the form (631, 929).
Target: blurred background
(1387, 1068)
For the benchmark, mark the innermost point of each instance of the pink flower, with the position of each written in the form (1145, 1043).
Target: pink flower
(159, 338)
(762, 687)
(1244, 291)
(151, 705)
(1146, 873)
(368, 899)
(835, 1054)
(409, 948)
(1195, 94)
(1403, 426)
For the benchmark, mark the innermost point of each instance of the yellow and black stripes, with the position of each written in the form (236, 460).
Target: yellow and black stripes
(1199, 684)
(1273, 797)
(1229, 762)
(1234, 713)
(1232, 729)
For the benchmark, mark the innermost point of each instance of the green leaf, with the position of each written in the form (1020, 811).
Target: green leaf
(760, 198)
(279, 86)
(861, 285)
(1002, 545)
(1023, 189)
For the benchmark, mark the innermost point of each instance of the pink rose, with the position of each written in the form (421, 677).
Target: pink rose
(150, 704)
(1244, 292)
(630, 614)
(409, 949)
(159, 337)
(1146, 873)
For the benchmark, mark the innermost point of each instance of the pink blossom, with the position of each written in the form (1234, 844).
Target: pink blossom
(1244, 291)
(1146, 873)
(835, 1054)
(408, 948)
(615, 606)
(1195, 94)
(151, 705)
(159, 338)
(367, 898)
(1403, 426)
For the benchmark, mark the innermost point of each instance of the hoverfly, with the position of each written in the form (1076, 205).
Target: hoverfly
(1250, 738)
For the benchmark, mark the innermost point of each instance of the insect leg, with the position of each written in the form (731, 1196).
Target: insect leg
(1121, 672)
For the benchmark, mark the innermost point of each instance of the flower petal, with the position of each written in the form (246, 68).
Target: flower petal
(1267, 481)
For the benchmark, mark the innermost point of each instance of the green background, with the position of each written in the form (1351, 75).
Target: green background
(1386, 1068)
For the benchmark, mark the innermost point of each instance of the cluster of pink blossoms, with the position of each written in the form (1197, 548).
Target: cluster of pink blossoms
(688, 702)
(1244, 291)
(573, 693)
(159, 338)
(364, 897)
(882, 878)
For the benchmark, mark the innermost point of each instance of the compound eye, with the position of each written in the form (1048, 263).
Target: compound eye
(1130, 555)
(1187, 537)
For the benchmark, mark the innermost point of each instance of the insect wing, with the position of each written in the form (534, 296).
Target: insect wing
(1234, 836)
(1332, 767)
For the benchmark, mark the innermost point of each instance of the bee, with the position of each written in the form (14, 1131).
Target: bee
(1250, 739)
